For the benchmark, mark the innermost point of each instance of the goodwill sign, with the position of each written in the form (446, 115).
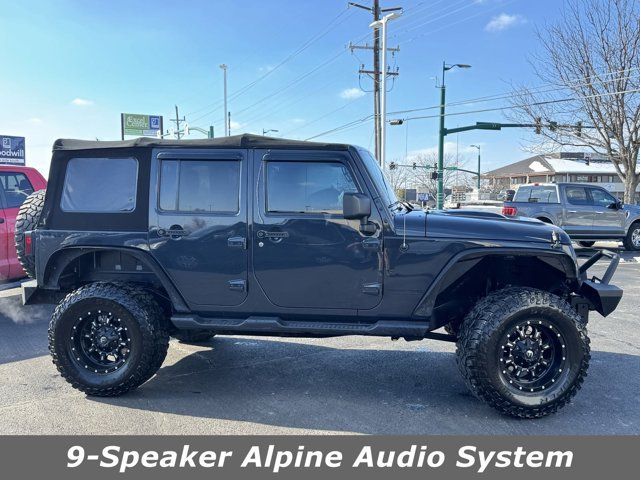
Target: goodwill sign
(11, 150)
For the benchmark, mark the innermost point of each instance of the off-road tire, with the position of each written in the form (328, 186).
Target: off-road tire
(479, 350)
(628, 239)
(27, 219)
(586, 244)
(193, 336)
(146, 324)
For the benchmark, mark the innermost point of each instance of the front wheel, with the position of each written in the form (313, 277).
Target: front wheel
(632, 240)
(523, 351)
(106, 338)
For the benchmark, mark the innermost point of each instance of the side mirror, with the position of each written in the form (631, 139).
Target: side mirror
(616, 205)
(356, 206)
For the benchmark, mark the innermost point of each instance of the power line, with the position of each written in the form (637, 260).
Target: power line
(332, 24)
(534, 104)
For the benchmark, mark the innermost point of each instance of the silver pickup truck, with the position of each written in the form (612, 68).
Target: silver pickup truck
(586, 212)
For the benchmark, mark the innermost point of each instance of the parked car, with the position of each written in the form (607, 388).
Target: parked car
(506, 195)
(587, 213)
(249, 235)
(16, 184)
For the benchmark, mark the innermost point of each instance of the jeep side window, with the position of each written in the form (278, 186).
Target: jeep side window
(17, 188)
(207, 186)
(577, 196)
(307, 187)
(118, 175)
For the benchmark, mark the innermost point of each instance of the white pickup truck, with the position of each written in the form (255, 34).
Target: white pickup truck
(588, 213)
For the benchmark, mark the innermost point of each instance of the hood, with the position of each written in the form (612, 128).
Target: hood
(493, 227)
(473, 226)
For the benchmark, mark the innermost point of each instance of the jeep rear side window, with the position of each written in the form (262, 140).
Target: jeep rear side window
(307, 187)
(207, 186)
(118, 176)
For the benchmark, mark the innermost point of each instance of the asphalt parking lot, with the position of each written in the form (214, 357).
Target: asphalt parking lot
(253, 385)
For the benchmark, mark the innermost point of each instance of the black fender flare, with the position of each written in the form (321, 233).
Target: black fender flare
(466, 260)
(63, 257)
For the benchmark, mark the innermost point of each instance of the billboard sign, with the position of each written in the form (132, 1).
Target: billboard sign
(140, 125)
(12, 150)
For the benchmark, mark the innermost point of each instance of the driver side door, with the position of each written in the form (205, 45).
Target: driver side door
(305, 253)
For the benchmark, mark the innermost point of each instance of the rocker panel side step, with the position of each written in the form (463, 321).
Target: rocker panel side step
(276, 325)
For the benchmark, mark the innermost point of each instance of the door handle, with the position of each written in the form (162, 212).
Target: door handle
(572, 211)
(599, 213)
(371, 244)
(237, 242)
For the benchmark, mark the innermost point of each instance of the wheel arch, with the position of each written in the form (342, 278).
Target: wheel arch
(478, 271)
(64, 267)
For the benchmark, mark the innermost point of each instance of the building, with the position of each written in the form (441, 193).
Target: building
(558, 167)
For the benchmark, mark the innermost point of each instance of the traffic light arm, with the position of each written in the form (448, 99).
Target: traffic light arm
(500, 126)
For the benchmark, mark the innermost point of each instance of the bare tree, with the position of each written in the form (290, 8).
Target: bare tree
(590, 60)
(422, 177)
(398, 178)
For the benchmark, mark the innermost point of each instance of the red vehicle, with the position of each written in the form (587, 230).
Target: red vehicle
(16, 184)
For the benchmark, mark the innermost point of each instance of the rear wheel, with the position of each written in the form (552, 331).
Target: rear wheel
(632, 240)
(27, 219)
(106, 339)
(523, 351)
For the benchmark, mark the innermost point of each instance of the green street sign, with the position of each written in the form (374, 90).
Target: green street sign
(140, 125)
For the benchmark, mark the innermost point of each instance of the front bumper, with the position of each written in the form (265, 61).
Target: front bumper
(600, 295)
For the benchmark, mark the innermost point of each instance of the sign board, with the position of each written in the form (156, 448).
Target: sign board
(11, 150)
(410, 194)
(423, 197)
(140, 125)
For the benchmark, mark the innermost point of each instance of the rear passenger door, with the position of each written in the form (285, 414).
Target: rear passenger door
(198, 224)
(578, 212)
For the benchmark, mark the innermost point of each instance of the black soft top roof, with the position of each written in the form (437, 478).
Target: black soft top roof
(237, 141)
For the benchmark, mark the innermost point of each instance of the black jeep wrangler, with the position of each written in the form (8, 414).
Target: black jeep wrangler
(144, 239)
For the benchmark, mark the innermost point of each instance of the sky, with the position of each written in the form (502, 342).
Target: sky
(70, 68)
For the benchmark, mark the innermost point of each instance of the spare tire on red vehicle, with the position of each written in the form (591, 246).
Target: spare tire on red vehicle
(27, 219)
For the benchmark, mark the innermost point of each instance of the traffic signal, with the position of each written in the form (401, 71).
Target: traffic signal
(392, 166)
(553, 126)
(414, 165)
(434, 175)
(579, 129)
(538, 125)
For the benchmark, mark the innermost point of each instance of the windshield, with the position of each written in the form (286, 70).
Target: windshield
(378, 177)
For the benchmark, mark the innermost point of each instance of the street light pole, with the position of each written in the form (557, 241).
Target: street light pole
(383, 87)
(226, 114)
(478, 147)
(442, 133)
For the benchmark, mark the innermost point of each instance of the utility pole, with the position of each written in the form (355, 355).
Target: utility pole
(383, 102)
(376, 11)
(228, 124)
(226, 113)
(177, 120)
(478, 147)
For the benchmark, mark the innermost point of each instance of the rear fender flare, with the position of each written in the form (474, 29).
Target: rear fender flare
(466, 260)
(62, 258)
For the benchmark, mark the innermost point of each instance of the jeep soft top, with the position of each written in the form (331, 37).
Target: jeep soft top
(140, 240)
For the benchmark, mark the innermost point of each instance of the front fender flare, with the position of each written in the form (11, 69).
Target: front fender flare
(464, 261)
